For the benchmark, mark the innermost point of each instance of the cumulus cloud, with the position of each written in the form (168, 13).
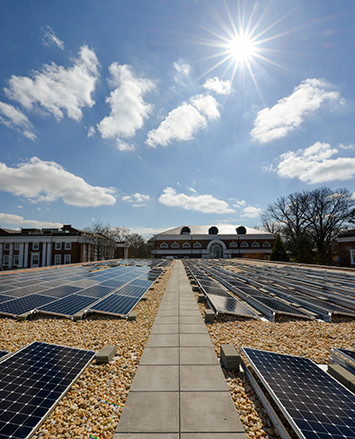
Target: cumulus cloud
(183, 71)
(183, 122)
(40, 181)
(49, 38)
(57, 89)
(199, 203)
(251, 212)
(238, 203)
(91, 131)
(137, 199)
(15, 119)
(315, 164)
(128, 108)
(19, 221)
(218, 86)
(290, 112)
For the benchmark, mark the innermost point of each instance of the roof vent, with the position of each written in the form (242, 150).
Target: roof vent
(241, 230)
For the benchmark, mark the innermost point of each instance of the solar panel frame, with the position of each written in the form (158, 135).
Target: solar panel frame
(314, 403)
(37, 391)
(24, 305)
(67, 306)
(344, 357)
(115, 304)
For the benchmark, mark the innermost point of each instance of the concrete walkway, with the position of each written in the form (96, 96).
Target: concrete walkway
(179, 391)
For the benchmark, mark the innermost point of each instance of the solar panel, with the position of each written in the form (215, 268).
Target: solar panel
(113, 283)
(32, 381)
(345, 357)
(62, 291)
(96, 291)
(25, 304)
(4, 298)
(315, 404)
(131, 290)
(68, 306)
(2, 353)
(230, 305)
(115, 305)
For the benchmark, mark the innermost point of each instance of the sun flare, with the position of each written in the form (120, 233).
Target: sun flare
(241, 48)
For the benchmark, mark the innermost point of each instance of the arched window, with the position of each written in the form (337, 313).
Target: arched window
(241, 230)
(186, 245)
(244, 244)
(233, 245)
(197, 245)
(185, 231)
(266, 244)
(213, 230)
(255, 244)
(164, 245)
(175, 245)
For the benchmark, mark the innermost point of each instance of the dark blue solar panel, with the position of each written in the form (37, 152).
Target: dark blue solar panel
(4, 298)
(32, 381)
(25, 291)
(141, 283)
(113, 283)
(25, 304)
(131, 290)
(96, 291)
(116, 304)
(2, 353)
(315, 404)
(63, 291)
(68, 306)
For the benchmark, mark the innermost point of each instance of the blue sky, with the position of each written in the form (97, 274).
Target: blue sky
(156, 114)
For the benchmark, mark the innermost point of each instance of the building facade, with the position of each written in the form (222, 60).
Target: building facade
(27, 248)
(346, 243)
(222, 241)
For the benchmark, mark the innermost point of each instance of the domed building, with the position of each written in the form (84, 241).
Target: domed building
(222, 241)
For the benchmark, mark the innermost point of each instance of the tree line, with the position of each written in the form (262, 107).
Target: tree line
(309, 222)
(138, 247)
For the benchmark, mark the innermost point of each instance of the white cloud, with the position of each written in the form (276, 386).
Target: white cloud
(19, 221)
(57, 89)
(49, 38)
(239, 203)
(91, 131)
(218, 85)
(128, 108)
(183, 122)
(124, 146)
(183, 71)
(315, 165)
(15, 119)
(137, 199)
(40, 181)
(199, 203)
(251, 212)
(290, 112)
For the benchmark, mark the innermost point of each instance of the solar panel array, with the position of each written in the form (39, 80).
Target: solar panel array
(67, 291)
(220, 299)
(314, 403)
(32, 381)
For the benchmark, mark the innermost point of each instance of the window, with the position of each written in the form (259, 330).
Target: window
(175, 245)
(185, 231)
(197, 245)
(58, 245)
(17, 246)
(186, 245)
(164, 245)
(57, 259)
(213, 231)
(255, 244)
(266, 244)
(233, 245)
(244, 244)
(7, 246)
(35, 260)
(67, 246)
(6, 260)
(67, 259)
(352, 256)
(16, 259)
(35, 246)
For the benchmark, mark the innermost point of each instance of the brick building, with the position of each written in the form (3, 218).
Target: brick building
(26, 248)
(346, 243)
(223, 241)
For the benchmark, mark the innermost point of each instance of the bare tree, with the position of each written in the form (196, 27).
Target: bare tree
(138, 247)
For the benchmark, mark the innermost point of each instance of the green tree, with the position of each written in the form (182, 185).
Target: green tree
(278, 252)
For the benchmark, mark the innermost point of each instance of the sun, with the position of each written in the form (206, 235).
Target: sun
(242, 49)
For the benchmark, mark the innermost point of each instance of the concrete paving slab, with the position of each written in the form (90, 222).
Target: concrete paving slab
(160, 356)
(146, 436)
(156, 378)
(165, 329)
(200, 355)
(191, 319)
(162, 418)
(195, 340)
(192, 328)
(214, 435)
(160, 340)
(168, 320)
(202, 378)
(208, 412)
